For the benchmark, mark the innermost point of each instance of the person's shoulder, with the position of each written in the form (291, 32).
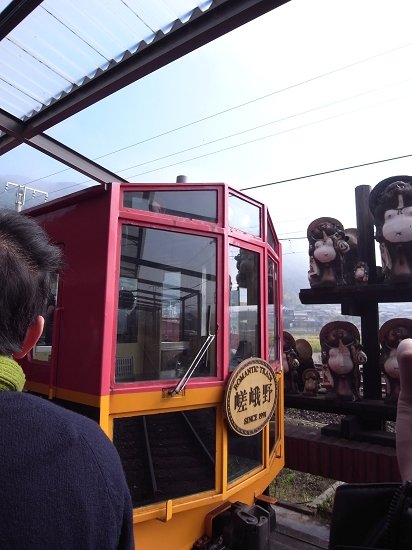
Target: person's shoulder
(45, 429)
(25, 402)
(48, 445)
(48, 420)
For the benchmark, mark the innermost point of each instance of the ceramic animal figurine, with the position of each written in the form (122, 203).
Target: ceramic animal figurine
(342, 354)
(311, 382)
(361, 273)
(290, 363)
(327, 247)
(305, 358)
(390, 202)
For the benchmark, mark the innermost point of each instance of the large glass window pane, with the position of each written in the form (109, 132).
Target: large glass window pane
(168, 455)
(271, 239)
(244, 305)
(274, 429)
(167, 304)
(244, 216)
(245, 454)
(273, 319)
(198, 205)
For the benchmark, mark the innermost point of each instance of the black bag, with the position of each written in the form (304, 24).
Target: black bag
(369, 516)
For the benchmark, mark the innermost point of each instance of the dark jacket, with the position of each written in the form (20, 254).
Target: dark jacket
(62, 485)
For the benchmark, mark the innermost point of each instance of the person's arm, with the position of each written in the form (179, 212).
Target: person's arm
(114, 487)
(404, 412)
(126, 540)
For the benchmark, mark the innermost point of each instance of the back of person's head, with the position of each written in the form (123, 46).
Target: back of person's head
(27, 261)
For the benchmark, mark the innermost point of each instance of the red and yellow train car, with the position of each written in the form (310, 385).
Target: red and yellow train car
(165, 327)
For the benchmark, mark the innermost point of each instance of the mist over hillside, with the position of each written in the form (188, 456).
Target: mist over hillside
(295, 276)
(300, 319)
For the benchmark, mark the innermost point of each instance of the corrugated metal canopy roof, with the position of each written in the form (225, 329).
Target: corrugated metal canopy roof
(60, 44)
(57, 58)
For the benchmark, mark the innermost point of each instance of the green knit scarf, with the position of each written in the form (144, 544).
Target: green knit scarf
(12, 377)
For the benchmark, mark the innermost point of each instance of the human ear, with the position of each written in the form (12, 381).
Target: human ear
(32, 336)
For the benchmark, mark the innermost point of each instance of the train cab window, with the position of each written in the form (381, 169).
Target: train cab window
(197, 205)
(244, 216)
(271, 238)
(167, 304)
(168, 455)
(275, 430)
(244, 305)
(43, 349)
(273, 319)
(244, 454)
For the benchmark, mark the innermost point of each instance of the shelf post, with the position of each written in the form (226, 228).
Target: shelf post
(369, 312)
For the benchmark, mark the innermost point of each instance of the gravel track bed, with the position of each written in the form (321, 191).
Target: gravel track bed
(304, 418)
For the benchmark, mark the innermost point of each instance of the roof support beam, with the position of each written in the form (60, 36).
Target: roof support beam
(53, 148)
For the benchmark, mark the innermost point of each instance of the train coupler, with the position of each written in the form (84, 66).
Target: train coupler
(237, 526)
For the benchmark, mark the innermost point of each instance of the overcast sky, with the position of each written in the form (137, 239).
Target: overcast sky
(314, 86)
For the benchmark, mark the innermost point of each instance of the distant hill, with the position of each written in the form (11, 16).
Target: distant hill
(295, 277)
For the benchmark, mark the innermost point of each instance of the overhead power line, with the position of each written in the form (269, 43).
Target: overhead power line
(327, 172)
(238, 106)
(276, 121)
(229, 148)
(254, 100)
(352, 167)
(292, 238)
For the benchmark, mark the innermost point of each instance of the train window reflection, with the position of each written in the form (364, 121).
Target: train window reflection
(273, 319)
(167, 455)
(43, 350)
(166, 307)
(244, 454)
(244, 305)
(244, 216)
(198, 205)
(274, 430)
(271, 238)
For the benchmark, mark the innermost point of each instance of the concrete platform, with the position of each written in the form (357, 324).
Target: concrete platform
(299, 531)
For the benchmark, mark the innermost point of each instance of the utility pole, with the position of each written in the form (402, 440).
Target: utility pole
(21, 191)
